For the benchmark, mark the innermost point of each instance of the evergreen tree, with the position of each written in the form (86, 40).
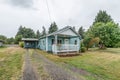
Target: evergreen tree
(3, 38)
(44, 31)
(74, 28)
(102, 16)
(53, 27)
(81, 31)
(38, 34)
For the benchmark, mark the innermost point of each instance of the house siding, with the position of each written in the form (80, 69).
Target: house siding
(45, 42)
(72, 41)
(50, 41)
(42, 44)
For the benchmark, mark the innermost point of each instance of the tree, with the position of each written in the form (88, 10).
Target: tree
(10, 40)
(74, 28)
(86, 42)
(38, 34)
(107, 32)
(102, 16)
(53, 27)
(3, 38)
(24, 32)
(44, 31)
(18, 38)
(81, 31)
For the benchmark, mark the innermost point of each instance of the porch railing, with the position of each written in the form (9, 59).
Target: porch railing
(64, 48)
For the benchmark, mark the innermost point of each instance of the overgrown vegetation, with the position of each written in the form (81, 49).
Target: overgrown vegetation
(21, 44)
(105, 29)
(11, 60)
(101, 64)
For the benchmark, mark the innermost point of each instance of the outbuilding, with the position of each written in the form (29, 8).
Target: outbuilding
(30, 42)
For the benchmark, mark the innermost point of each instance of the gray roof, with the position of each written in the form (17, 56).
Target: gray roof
(61, 30)
(29, 39)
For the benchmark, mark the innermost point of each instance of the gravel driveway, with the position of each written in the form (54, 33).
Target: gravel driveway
(56, 71)
(28, 71)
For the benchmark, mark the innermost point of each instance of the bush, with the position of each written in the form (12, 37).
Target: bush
(83, 49)
(21, 44)
(117, 45)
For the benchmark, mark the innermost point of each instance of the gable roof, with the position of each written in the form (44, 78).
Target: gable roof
(62, 30)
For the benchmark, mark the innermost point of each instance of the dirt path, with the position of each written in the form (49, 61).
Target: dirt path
(28, 71)
(55, 71)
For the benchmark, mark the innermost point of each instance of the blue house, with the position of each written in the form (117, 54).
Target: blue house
(61, 41)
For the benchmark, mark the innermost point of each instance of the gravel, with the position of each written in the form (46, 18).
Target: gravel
(56, 71)
(28, 71)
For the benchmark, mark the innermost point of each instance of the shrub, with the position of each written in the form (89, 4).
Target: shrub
(83, 49)
(117, 45)
(21, 44)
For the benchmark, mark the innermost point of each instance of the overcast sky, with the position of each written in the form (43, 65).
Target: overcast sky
(34, 13)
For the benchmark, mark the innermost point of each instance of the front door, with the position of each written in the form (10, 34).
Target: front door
(66, 41)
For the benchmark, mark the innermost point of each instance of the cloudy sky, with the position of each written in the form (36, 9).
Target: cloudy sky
(34, 13)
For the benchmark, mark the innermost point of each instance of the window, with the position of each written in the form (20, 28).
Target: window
(75, 42)
(59, 41)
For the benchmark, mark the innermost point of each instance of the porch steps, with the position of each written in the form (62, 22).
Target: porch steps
(68, 54)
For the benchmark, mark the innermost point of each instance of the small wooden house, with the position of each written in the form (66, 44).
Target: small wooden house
(30, 42)
(63, 40)
(1, 43)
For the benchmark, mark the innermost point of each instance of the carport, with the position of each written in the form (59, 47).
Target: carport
(30, 42)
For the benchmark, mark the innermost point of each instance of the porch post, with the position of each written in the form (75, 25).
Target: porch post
(78, 45)
(46, 43)
(56, 44)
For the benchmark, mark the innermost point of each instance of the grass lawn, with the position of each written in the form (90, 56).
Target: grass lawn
(11, 60)
(102, 64)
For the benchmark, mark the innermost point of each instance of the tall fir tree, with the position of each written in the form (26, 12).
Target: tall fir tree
(102, 16)
(74, 28)
(44, 31)
(53, 27)
(38, 34)
(81, 32)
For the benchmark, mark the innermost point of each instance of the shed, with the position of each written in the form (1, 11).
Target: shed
(30, 42)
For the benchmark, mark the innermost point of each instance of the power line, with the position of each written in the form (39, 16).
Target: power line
(49, 11)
